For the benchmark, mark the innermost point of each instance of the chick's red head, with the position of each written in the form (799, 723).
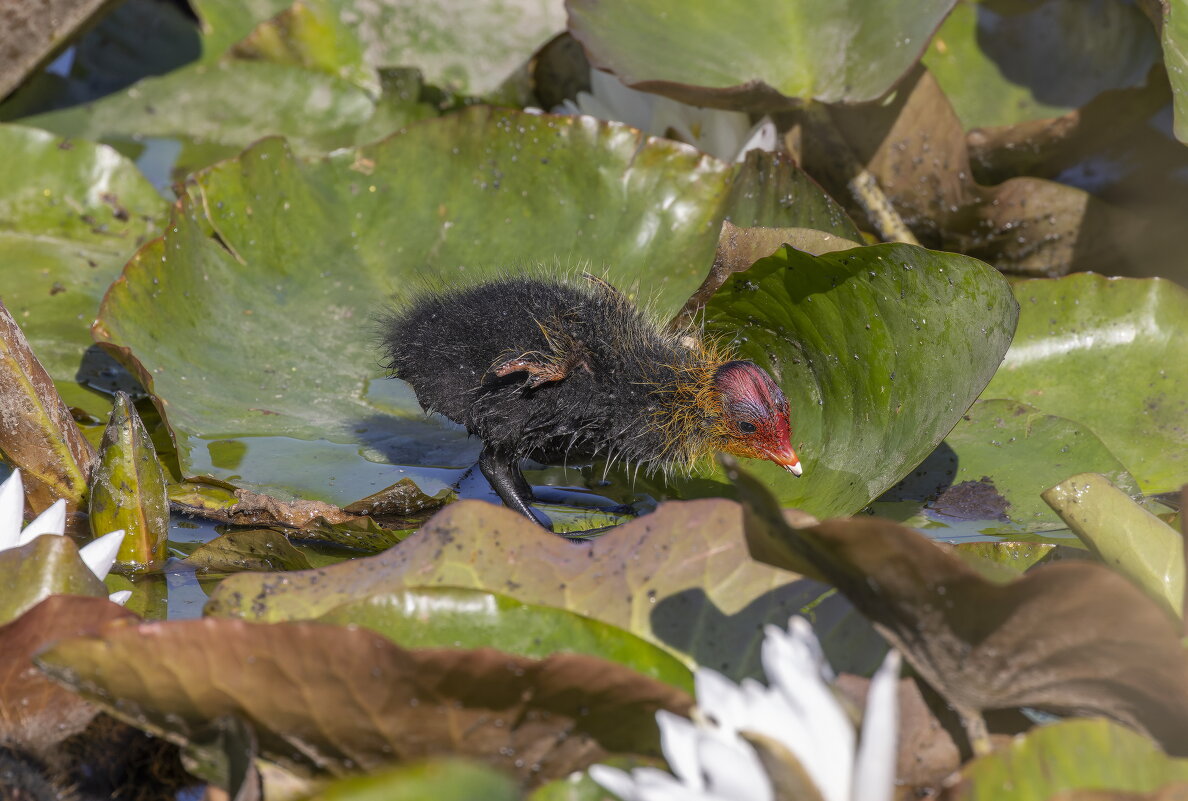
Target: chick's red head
(755, 420)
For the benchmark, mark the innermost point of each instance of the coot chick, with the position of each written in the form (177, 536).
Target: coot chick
(553, 370)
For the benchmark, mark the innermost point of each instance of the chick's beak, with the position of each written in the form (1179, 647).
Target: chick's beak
(786, 458)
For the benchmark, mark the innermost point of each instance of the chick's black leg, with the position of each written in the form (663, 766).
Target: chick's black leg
(503, 472)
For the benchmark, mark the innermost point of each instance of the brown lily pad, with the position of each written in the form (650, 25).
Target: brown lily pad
(1070, 638)
(35, 713)
(331, 699)
(915, 146)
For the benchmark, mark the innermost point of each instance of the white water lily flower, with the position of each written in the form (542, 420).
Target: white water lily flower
(99, 555)
(725, 134)
(713, 762)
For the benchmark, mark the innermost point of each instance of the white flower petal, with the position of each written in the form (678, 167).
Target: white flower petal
(51, 521)
(732, 768)
(761, 137)
(874, 769)
(12, 510)
(100, 554)
(720, 699)
(615, 781)
(678, 738)
(120, 597)
(795, 666)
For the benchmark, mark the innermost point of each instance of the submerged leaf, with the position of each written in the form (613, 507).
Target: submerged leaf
(128, 488)
(1124, 535)
(37, 433)
(364, 702)
(1071, 638)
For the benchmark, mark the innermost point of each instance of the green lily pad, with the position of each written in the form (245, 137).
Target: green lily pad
(679, 578)
(265, 329)
(1042, 60)
(1108, 353)
(1070, 755)
(441, 780)
(1124, 535)
(1175, 55)
(717, 54)
(1020, 451)
(453, 617)
(879, 350)
(71, 213)
(462, 45)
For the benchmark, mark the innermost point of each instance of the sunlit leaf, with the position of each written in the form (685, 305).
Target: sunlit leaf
(1124, 535)
(71, 213)
(441, 780)
(451, 617)
(760, 56)
(1129, 336)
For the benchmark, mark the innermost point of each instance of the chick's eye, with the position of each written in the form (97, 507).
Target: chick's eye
(746, 428)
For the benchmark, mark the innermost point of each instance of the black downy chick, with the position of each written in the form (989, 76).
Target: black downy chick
(554, 370)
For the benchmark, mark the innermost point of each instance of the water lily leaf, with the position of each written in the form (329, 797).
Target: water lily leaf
(462, 45)
(128, 488)
(1071, 638)
(256, 549)
(848, 52)
(441, 780)
(679, 577)
(325, 243)
(38, 433)
(1174, 37)
(1124, 535)
(72, 212)
(1067, 756)
(879, 350)
(365, 702)
(35, 713)
(49, 565)
(453, 617)
(228, 103)
(1129, 335)
(915, 146)
(1001, 65)
(310, 34)
(1020, 451)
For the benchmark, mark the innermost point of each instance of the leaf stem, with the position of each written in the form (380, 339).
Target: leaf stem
(860, 181)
